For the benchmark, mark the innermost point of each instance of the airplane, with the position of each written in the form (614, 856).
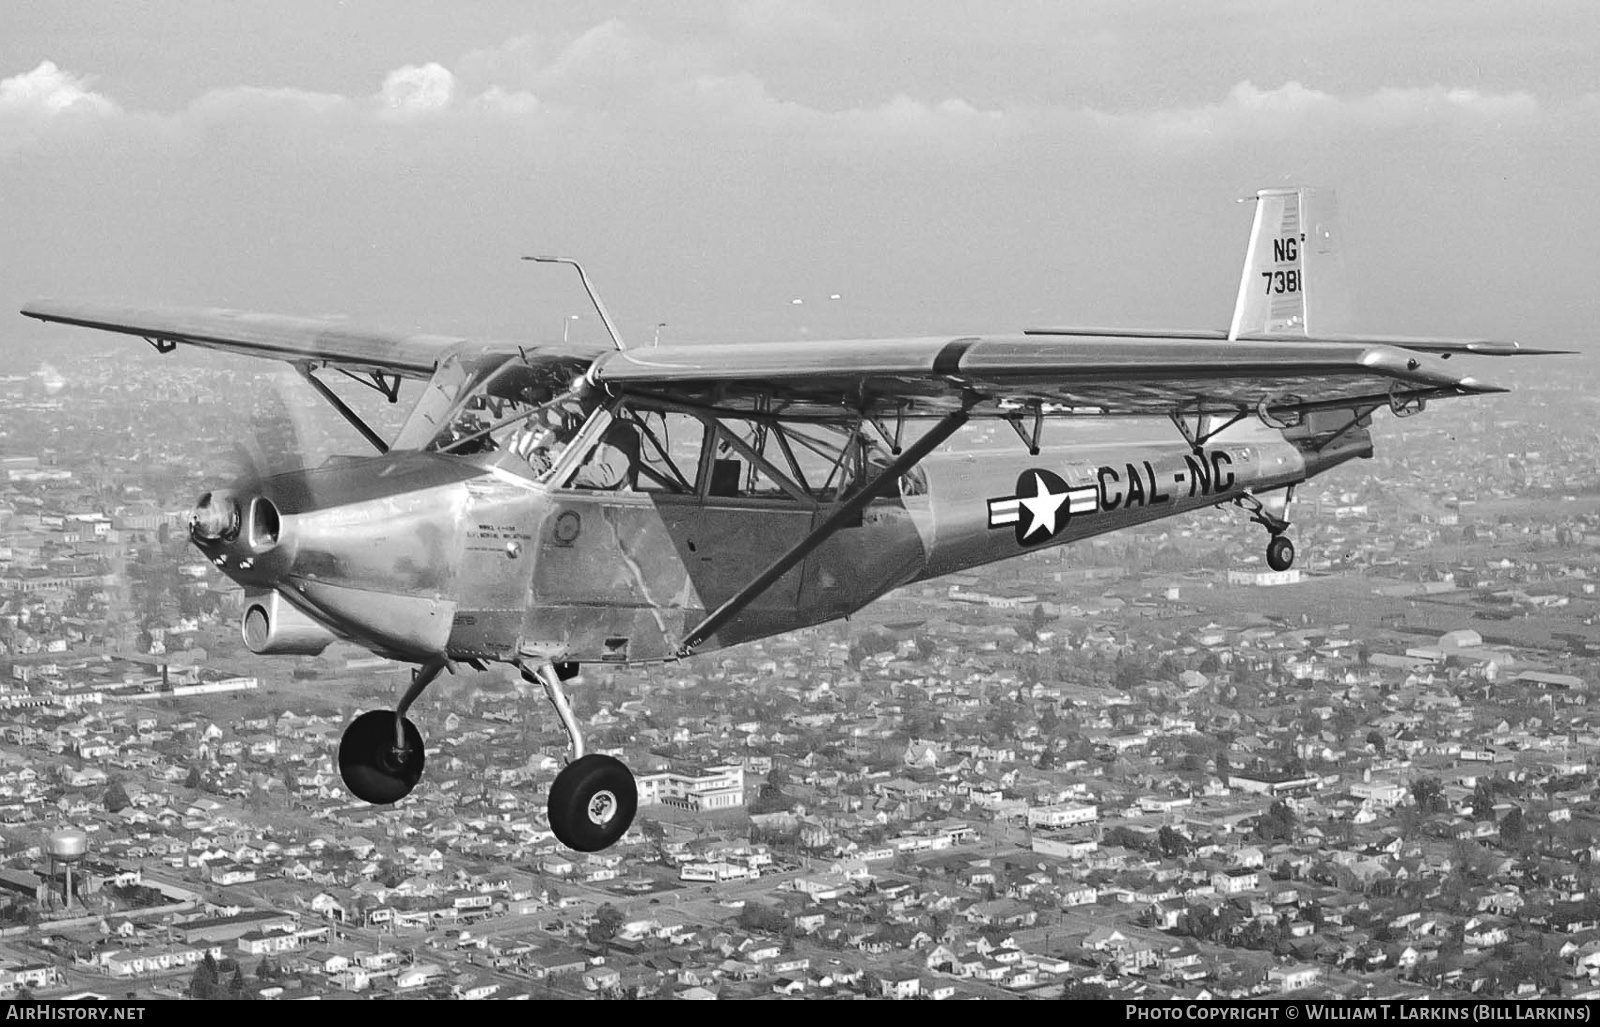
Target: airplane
(549, 505)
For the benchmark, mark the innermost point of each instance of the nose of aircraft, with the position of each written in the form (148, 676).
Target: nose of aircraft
(215, 517)
(239, 529)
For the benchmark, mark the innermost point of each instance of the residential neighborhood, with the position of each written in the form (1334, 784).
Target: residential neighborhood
(1143, 767)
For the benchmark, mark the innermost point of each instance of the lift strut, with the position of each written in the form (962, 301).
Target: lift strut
(843, 514)
(1030, 438)
(344, 410)
(388, 385)
(1197, 438)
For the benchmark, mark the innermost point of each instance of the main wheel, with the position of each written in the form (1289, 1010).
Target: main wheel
(372, 769)
(1280, 553)
(592, 802)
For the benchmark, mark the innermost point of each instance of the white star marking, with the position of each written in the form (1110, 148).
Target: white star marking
(1042, 505)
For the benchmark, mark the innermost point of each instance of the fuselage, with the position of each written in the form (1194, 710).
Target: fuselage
(419, 555)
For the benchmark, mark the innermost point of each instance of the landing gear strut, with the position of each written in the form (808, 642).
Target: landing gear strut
(380, 753)
(594, 798)
(1280, 550)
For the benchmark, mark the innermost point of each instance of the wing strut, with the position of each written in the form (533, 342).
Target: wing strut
(842, 515)
(344, 410)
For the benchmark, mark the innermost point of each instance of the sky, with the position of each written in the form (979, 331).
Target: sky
(940, 167)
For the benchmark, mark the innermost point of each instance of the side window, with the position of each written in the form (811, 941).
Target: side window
(734, 470)
(642, 451)
(670, 445)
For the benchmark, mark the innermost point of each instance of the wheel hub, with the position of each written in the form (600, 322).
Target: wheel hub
(602, 808)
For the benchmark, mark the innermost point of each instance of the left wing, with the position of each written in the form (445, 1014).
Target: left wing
(294, 339)
(1104, 374)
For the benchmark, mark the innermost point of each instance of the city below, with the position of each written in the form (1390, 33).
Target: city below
(1140, 767)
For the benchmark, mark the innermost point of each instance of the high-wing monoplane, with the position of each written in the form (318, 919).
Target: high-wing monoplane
(551, 505)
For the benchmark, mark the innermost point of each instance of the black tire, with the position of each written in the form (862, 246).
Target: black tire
(592, 803)
(1280, 553)
(368, 763)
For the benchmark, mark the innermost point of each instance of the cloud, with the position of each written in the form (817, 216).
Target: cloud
(417, 89)
(784, 20)
(47, 91)
(248, 102)
(1249, 110)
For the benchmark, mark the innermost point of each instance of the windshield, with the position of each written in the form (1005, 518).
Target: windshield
(455, 376)
(503, 405)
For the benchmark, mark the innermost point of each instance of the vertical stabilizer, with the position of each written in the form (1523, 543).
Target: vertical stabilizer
(1293, 279)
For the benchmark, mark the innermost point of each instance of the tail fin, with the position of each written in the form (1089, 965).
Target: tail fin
(1294, 246)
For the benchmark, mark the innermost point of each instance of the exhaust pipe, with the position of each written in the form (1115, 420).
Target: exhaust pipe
(273, 627)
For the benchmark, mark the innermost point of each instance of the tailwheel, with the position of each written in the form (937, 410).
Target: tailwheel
(374, 766)
(1280, 553)
(592, 802)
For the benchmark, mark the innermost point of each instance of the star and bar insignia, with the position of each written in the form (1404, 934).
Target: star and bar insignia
(1042, 506)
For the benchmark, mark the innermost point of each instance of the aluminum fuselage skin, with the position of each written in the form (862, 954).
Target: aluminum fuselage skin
(418, 555)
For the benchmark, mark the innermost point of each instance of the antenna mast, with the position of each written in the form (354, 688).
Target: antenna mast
(594, 297)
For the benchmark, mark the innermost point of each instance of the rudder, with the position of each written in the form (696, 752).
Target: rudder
(1294, 245)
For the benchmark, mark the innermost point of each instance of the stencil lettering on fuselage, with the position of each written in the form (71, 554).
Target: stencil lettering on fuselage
(1044, 502)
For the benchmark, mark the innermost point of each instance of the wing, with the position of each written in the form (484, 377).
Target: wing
(1077, 373)
(294, 339)
(1422, 343)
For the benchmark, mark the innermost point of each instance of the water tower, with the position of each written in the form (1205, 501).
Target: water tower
(67, 847)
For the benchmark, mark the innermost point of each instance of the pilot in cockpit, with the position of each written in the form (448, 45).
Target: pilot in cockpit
(614, 463)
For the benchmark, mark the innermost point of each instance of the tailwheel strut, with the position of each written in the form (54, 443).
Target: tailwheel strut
(594, 797)
(1280, 548)
(380, 753)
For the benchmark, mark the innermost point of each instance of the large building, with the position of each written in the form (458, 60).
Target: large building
(698, 790)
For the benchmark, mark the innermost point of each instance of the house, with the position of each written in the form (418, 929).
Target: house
(900, 985)
(1293, 977)
(418, 976)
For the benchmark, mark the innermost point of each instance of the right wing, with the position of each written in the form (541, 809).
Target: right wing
(996, 375)
(298, 340)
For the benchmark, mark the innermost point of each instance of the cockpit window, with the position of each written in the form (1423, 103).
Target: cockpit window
(519, 409)
(455, 377)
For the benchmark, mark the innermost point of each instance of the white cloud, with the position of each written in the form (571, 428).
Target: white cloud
(616, 79)
(47, 91)
(1249, 110)
(249, 101)
(417, 89)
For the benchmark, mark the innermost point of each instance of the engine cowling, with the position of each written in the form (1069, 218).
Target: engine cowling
(273, 627)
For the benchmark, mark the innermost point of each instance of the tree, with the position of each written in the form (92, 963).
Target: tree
(116, 798)
(237, 988)
(1483, 800)
(1428, 794)
(1375, 740)
(203, 982)
(757, 916)
(1085, 990)
(1277, 824)
(1513, 830)
(1173, 842)
(194, 780)
(607, 921)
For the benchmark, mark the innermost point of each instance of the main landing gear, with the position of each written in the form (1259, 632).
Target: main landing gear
(1280, 550)
(594, 798)
(380, 754)
(592, 801)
